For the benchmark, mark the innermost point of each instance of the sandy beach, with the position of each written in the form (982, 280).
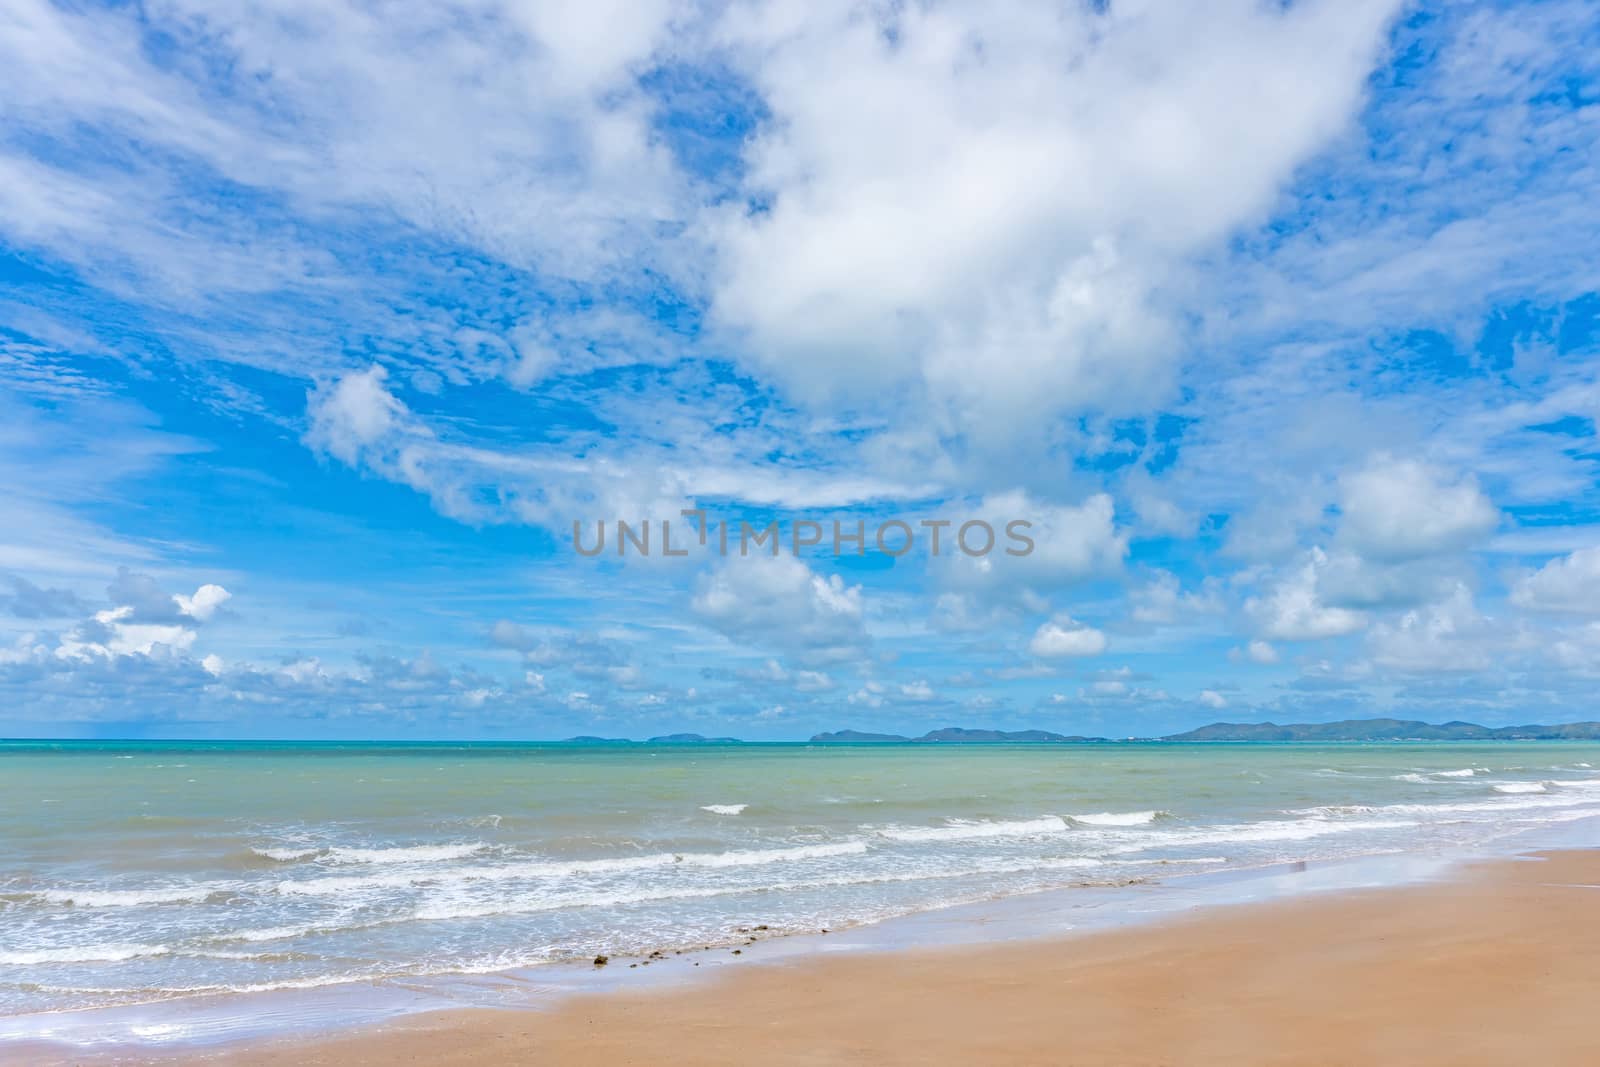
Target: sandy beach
(1496, 965)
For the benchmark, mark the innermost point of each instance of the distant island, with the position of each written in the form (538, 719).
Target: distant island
(1386, 730)
(1344, 730)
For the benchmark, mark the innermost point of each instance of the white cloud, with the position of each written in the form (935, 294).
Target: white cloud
(869, 695)
(1261, 652)
(1568, 584)
(779, 602)
(1352, 581)
(1291, 610)
(146, 621)
(1162, 600)
(356, 413)
(1399, 509)
(520, 130)
(949, 218)
(1579, 649)
(1212, 699)
(205, 602)
(1448, 636)
(1063, 636)
(1071, 543)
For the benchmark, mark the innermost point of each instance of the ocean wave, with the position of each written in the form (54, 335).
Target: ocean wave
(1432, 777)
(129, 898)
(968, 829)
(1520, 787)
(724, 809)
(382, 854)
(1244, 833)
(265, 933)
(479, 909)
(406, 853)
(81, 954)
(1548, 801)
(286, 855)
(570, 868)
(1126, 818)
(475, 908)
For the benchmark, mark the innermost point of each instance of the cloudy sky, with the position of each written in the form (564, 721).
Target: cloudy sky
(321, 323)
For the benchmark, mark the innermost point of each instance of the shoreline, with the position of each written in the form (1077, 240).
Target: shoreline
(205, 1028)
(1494, 964)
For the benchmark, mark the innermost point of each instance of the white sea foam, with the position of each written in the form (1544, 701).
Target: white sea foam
(1489, 806)
(286, 855)
(1428, 777)
(264, 933)
(756, 856)
(967, 829)
(1113, 818)
(406, 853)
(1243, 833)
(129, 898)
(81, 954)
(571, 868)
(1520, 787)
(724, 809)
(379, 855)
(453, 907)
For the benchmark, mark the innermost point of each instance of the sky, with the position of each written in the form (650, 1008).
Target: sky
(322, 324)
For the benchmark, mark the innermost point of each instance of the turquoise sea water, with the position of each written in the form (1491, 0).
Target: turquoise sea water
(138, 872)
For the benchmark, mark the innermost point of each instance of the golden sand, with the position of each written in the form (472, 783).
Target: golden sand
(1500, 965)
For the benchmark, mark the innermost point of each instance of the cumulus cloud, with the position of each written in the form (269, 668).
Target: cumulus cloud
(206, 602)
(919, 236)
(1400, 509)
(779, 602)
(29, 601)
(1063, 636)
(1292, 609)
(357, 413)
(1569, 584)
(1070, 543)
(144, 620)
(1163, 601)
(115, 632)
(139, 598)
(1261, 652)
(1447, 636)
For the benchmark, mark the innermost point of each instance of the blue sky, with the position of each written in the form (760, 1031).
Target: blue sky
(320, 324)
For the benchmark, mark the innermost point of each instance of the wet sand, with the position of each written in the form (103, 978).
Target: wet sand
(1498, 965)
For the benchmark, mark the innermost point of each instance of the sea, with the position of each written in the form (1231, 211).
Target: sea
(141, 873)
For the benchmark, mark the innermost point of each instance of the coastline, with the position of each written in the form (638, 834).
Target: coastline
(1002, 936)
(1493, 964)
